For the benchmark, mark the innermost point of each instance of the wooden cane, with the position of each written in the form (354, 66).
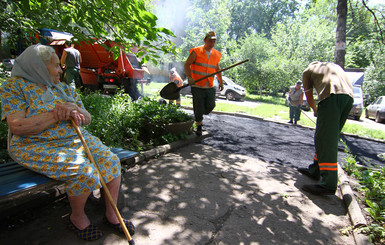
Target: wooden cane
(108, 194)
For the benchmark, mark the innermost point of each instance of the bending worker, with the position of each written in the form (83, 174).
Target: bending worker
(295, 102)
(175, 78)
(202, 61)
(335, 93)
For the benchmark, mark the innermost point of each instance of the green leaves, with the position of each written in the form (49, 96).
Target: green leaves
(134, 125)
(126, 21)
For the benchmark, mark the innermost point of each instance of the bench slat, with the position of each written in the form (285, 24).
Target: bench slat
(21, 181)
(14, 177)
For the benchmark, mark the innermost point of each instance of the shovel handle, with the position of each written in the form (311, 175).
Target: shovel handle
(212, 74)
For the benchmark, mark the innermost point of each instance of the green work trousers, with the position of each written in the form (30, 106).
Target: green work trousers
(332, 113)
(203, 102)
(294, 113)
(72, 75)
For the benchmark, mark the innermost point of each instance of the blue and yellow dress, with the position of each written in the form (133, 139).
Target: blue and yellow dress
(57, 151)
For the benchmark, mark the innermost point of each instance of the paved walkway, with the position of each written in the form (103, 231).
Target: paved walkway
(200, 195)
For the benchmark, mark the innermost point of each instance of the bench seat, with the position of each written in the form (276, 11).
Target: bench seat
(19, 185)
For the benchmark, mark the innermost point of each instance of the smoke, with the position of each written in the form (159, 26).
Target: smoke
(172, 15)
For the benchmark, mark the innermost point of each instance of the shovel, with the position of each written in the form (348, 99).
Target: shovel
(171, 90)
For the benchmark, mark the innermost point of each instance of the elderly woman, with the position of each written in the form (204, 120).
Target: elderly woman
(37, 108)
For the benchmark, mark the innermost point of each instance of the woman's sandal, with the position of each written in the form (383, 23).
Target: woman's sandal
(90, 233)
(130, 226)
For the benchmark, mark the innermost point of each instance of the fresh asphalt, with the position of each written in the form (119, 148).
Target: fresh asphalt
(283, 143)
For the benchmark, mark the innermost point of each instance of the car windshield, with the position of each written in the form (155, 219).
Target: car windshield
(357, 92)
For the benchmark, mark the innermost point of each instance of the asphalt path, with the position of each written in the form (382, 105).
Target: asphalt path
(288, 145)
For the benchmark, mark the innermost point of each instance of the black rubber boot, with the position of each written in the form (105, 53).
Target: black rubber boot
(199, 130)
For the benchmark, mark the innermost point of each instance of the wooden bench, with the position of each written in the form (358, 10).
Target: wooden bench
(20, 186)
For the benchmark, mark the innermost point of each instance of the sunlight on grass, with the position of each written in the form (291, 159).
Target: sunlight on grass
(363, 131)
(266, 99)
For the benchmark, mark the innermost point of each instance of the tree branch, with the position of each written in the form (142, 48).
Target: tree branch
(381, 36)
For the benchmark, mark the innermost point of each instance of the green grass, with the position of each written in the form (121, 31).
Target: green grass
(363, 131)
(266, 99)
(152, 90)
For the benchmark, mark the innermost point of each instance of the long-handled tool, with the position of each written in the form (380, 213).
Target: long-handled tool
(108, 194)
(308, 116)
(171, 90)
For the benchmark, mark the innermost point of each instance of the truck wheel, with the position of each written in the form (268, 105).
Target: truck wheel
(230, 95)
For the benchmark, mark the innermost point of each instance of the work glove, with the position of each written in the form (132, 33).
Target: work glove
(191, 81)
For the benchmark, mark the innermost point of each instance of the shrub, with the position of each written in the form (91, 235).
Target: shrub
(118, 122)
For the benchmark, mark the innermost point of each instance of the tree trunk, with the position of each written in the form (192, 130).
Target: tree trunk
(340, 50)
(1, 54)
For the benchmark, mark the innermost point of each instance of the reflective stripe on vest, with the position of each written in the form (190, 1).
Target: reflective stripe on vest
(202, 66)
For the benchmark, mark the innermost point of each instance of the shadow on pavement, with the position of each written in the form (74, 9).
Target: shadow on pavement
(201, 195)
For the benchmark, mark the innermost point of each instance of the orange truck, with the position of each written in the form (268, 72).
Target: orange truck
(99, 70)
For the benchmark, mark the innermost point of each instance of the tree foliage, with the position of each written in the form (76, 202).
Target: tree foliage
(124, 21)
(279, 37)
(250, 16)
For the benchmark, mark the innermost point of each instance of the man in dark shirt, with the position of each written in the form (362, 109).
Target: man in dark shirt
(70, 61)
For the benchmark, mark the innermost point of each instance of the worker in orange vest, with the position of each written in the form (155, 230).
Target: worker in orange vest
(202, 61)
(175, 78)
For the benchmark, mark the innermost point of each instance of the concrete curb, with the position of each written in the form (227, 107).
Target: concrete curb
(144, 156)
(354, 210)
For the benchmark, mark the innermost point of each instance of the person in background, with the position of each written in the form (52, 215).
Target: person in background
(70, 61)
(295, 101)
(202, 61)
(37, 108)
(335, 94)
(175, 78)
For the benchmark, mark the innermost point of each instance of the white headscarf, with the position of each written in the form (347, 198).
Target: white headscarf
(31, 67)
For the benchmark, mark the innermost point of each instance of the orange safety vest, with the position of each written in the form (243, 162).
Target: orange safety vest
(202, 66)
(177, 80)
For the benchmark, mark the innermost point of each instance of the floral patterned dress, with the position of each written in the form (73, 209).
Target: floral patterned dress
(56, 152)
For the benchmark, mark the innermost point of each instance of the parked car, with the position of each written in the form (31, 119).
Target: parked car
(376, 110)
(8, 64)
(358, 103)
(231, 90)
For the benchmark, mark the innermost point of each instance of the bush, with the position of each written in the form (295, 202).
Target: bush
(118, 122)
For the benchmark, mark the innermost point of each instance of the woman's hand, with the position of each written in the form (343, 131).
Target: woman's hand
(79, 118)
(62, 111)
(66, 111)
